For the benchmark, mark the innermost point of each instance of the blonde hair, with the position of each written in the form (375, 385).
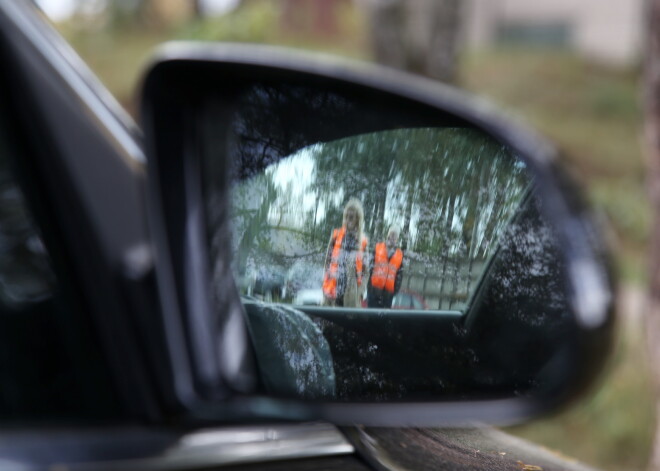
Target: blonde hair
(355, 204)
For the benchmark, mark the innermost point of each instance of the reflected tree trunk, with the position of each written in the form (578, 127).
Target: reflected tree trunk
(380, 193)
(420, 36)
(473, 223)
(445, 252)
(652, 129)
(405, 238)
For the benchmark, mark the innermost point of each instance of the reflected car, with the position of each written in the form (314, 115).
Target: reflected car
(309, 297)
(265, 282)
(405, 299)
(304, 276)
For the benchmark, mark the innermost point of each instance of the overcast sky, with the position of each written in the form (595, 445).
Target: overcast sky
(61, 9)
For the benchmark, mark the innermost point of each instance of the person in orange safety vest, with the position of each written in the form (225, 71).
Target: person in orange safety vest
(345, 268)
(386, 271)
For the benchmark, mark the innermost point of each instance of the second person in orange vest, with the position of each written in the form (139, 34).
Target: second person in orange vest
(345, 267)
(386, 271)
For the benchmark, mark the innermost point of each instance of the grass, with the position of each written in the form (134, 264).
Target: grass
(592, 114)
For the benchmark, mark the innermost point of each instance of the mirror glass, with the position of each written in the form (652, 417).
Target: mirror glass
(382, 251)
(422, 208)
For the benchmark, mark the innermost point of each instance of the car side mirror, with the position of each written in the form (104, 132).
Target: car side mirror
(345, 242)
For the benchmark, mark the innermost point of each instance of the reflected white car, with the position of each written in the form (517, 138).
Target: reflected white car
(309, 297)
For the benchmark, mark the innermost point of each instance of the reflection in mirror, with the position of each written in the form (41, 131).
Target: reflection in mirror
(380, 253)
(403, 219)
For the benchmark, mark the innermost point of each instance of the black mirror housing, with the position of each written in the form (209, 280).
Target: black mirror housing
(528, 329)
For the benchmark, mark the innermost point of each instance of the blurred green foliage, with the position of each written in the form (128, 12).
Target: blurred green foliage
(263, 21)
(118, 54)
(591, 112)
(251, 25)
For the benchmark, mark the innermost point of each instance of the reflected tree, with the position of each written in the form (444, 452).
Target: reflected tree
(452, 191)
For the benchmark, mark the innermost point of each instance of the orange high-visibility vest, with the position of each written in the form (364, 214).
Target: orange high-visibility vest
(330, 277)
(385, 270)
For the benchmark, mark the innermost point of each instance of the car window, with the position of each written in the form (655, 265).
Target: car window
(50, 367)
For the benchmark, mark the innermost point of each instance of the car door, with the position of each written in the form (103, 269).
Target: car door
(81, 163)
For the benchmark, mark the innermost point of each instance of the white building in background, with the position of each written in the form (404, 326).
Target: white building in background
(607, 31)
